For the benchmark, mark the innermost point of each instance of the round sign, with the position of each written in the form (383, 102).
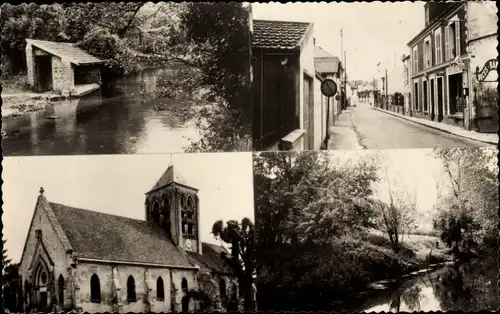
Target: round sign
(329, 88)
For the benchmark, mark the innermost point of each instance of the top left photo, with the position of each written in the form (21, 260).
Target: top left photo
(125, 78)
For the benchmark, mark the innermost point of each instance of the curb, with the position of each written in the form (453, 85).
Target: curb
(433, 127)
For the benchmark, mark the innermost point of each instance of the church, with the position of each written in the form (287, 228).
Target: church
(86, 261)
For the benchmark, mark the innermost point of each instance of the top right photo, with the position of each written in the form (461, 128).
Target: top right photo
(381, 75)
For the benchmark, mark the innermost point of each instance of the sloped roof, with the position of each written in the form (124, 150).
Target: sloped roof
(65, 51)
(324, 62)
(103, 236)
(278, 34)
(211, 259)
(169, 176)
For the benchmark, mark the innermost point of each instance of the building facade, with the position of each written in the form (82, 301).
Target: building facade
(406, 84)
(283, 85)
(86, 261)
(442, 58)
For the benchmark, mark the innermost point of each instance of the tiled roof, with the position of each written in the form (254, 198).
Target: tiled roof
(211, 258)
(278, 34)
(103, 236)
(326, 65)
(168, 177)
(65, 51)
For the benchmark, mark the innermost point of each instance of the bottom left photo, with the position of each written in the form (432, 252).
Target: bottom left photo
(129, 233)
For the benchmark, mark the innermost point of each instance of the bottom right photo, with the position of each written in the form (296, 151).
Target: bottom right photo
(373, 231)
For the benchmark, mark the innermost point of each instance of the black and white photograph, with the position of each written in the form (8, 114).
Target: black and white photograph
(125, 78)
(377, 231)
(404, 74)
(148, 233)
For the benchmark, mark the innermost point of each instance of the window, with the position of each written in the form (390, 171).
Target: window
(452, 40)
(185, 298)
(166, 215)
(160, 292)
(156, 212)
(222, 288)
(425, 96)
(457, 39)
(427, 53)
(131, 296)
(60, 286)
(437, 43)
(415, 60)
(95, 289)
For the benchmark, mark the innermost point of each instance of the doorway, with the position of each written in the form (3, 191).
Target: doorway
(439, 98)
(455, 93)
(43, 68)
(426, 97)
(433, 106)
(308, 113)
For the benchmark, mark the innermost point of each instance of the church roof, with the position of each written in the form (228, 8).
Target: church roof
(211, 258)
(169, 176)
(103, 236)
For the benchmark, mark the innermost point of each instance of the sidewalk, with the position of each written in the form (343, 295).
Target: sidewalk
(489, 138)
(342, 134)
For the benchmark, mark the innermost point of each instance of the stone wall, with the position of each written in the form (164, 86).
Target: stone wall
(30, 63)
(55, 247)
(62, 75)
(145, 287)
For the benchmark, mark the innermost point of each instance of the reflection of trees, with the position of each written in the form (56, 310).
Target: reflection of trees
(468, 287)
(410, 297)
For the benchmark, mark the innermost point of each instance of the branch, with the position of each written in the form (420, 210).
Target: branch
(124, 30)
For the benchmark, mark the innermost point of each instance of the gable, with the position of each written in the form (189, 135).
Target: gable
(50, 245)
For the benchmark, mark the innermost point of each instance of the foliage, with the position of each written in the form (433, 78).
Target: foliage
(305, 203)
(11, 284)
(202, 297)
(242, 259)
(398, 214)
(467, 218)
(5, 260)
(212, 40)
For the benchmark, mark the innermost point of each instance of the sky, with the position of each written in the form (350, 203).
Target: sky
(414, 170)
(116, 184)
(372, 32)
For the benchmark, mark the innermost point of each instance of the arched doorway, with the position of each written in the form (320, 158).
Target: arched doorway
(60, 290)
(41, 280)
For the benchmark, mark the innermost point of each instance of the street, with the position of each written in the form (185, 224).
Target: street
(378, 130)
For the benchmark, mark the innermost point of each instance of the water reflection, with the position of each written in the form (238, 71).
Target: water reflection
(469, 287)
(118, 119)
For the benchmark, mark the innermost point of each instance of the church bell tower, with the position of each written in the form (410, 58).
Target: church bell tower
(174, 206)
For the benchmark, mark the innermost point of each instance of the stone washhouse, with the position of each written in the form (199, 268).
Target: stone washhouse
(62, 68)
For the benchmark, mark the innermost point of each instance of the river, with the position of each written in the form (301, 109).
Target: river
(470, 286)
(123, 118)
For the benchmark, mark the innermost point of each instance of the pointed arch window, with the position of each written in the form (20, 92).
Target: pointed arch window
(166, 214)
(188, 218)
(222, 288)
(155, 212)
(131, 296)
(60, 286)
(160, 291)
(95, 289)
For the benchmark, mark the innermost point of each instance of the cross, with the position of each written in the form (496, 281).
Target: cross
(41, 191)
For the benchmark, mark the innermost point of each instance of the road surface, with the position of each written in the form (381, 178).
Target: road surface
(378, 130)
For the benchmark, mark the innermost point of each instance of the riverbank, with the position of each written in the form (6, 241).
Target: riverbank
(18, 104)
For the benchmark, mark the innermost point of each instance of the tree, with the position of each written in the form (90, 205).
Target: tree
(467, 216)
(240, 236)
(397, 216)
(5, 260)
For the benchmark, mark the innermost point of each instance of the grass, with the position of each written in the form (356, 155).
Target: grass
(15, 84)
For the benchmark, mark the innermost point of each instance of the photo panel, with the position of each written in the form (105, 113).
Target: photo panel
(374, 75)
(377, 231)
(125, 78)
(128, 233)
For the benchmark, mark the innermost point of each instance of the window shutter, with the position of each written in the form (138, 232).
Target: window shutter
(446, 43)
(457, 39)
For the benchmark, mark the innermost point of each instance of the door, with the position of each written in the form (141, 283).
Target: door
(440, 98)
(433, 107)
(43, 73)
(43, 301)
(308, 113)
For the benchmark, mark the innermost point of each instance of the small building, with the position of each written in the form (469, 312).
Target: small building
(82, 260)
(459, 38)
(61, 67)
(406, 85)
(326, 66)
(283, 85)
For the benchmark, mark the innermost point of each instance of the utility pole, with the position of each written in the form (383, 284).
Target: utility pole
(345, 80)
(386, 91)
